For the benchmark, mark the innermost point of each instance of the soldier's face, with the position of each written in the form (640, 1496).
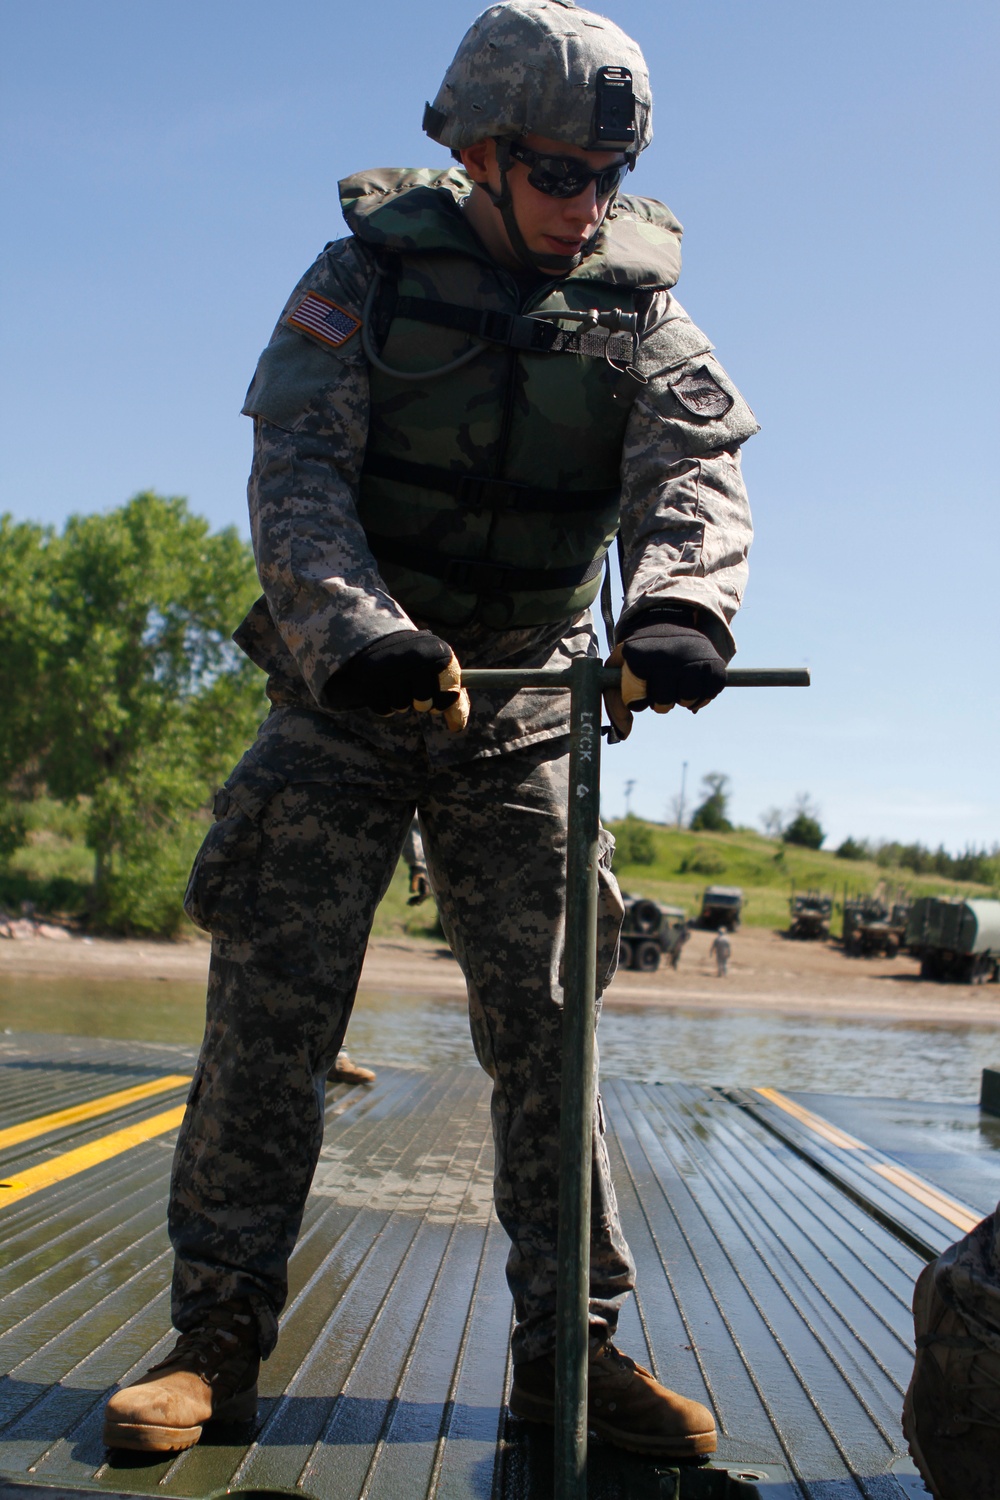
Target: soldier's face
(549, 226)
(557, 226)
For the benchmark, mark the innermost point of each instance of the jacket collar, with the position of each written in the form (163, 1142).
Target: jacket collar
(411, 210)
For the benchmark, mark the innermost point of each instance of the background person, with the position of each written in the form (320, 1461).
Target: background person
(413, 855)
(721, 950)
(683, 937)
(345, 1070)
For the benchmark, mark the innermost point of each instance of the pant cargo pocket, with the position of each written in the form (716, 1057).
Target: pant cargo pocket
(221, 896)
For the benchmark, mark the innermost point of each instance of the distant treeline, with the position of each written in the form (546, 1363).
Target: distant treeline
(981, 866)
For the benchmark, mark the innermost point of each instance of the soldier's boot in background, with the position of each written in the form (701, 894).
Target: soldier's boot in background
(210, 1375)
(951, 1415)
(625, 1405)
(346, 1071)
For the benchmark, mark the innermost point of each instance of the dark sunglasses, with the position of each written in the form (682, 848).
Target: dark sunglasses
(566, 176)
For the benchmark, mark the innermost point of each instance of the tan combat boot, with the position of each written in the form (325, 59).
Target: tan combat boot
(625, 1405)
(346, 1071)
(951, 1415)
(210, 1375)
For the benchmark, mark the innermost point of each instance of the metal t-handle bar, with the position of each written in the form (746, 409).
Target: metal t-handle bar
(585, 678)
(525, 677)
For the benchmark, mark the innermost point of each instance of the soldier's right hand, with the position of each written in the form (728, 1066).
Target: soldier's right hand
(408, 669)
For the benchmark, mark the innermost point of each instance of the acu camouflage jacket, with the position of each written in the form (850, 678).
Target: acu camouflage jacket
(317, 404)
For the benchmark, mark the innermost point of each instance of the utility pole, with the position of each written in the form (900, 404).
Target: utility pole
(629, 786)
(680, 800)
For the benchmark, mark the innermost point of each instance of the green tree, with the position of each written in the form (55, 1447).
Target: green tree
(29, 633)
(805, 831)
(711, 814)
(133, 695)
(804, 828)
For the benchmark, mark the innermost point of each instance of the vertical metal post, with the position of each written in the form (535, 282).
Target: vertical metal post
(579, 994)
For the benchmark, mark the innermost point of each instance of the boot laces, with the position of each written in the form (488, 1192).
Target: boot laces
(615, 1360)
(210, 1351)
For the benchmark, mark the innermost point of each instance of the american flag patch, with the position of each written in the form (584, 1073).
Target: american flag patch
(324, 320)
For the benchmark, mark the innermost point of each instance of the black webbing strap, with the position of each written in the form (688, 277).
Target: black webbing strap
(471, 577)
(510, 329)
(477, 492)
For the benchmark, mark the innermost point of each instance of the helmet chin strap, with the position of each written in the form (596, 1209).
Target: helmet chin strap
(557, 265)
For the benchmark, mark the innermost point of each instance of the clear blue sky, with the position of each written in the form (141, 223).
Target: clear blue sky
(170, 170)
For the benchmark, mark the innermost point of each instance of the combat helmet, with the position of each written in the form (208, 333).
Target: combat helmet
(551, 68)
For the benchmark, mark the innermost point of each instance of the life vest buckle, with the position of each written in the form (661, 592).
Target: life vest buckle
(496, 327)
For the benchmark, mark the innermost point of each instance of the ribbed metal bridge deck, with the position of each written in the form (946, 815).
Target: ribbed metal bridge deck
(775, 1260)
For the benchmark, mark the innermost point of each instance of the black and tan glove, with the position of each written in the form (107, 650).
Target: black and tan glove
(408, 669)
(663, 663)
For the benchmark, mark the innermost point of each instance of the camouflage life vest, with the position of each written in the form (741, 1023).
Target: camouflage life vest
(490, 493)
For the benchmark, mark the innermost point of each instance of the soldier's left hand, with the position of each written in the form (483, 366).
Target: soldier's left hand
(663, 664)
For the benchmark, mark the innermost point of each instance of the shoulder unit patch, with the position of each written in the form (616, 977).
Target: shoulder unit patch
(702, 394)
(324, 319)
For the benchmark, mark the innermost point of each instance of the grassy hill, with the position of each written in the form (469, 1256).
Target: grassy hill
(54, 871)
(684, 863)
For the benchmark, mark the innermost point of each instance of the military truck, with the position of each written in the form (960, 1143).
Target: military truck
(868, 930)
(876, 923)
(810, 916)
(955, 939)
(649, 930)
(899, 916)
(721, 906)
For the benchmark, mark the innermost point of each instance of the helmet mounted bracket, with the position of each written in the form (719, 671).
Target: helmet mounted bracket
(614, 111)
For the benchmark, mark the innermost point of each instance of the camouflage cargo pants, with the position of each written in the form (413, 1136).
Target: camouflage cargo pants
(309, 829)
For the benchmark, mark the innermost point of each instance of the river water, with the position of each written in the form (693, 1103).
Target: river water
(900, 1060)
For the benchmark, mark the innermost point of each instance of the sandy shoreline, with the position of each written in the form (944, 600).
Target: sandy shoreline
(767, 973)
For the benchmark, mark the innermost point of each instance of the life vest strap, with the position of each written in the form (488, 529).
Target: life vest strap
(480, 492)
(469, 576)
(514, 330)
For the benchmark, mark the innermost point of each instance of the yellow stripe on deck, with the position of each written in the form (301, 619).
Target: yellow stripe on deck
(815, 1123)
(908, 1182)
(72, 1162)
(42, 1124)
(931, 1197)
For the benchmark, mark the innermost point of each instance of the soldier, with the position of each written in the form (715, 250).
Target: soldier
(462, 402)
(721, 950)
(683, 937)
(345, 1069)
(413, 854)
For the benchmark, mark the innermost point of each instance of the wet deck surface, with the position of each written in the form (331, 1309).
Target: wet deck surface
(775, 1258)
